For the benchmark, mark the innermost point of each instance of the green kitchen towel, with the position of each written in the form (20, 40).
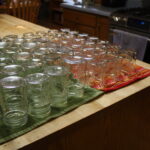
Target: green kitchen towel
(7, 134)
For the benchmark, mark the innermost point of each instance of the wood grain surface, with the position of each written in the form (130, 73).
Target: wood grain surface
(12, 25)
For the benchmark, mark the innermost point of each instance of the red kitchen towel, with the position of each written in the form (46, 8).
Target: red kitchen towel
(124, 80)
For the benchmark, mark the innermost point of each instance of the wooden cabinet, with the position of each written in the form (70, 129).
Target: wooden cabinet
(80, 21)
(56, 11)
(92, 24)
(103, 27)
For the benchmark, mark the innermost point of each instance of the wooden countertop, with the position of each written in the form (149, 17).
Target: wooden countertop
(12, 25)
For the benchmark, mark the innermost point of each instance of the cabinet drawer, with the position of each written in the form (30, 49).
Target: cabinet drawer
(69, 24)
(80, 17)
(86, 29)
(103, 20)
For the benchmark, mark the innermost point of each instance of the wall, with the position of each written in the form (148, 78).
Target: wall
(137, 3)
(133, 3)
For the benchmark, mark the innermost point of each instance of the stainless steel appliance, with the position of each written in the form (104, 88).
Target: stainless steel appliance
(131, 29)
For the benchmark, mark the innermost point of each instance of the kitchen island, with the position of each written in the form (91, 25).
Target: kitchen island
(117, 120)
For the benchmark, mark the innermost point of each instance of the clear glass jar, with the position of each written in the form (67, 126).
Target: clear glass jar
(58, 83)
(14, 103)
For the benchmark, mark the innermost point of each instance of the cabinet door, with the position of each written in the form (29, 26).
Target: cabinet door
(86, 29)
(103, 24)
(80, 21)
(79, 17)
(69, 24)
(55, 11)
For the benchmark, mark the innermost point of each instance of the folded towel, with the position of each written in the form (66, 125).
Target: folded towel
(125, 80)
(130, 41)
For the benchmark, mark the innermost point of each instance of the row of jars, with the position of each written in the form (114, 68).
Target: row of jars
(52, 47)
(37, 71)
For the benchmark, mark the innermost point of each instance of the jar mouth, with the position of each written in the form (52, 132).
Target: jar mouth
(56, 70)
(66, 30)
(29, 45)
(89, 49)
(28, 34)
(73, 60)
(19, 41)
(11, 37)
(83, 35)
(36, 78)
(12, 82)
(12, 69)
(10, 52)
(88, 57)
(3, 59)
(3, 44)
(22, 56)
